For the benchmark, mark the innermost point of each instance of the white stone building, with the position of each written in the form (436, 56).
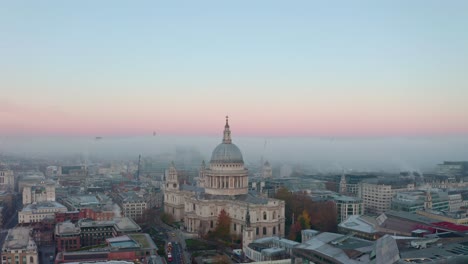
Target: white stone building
(131, 204)
(39, 192)
(19, 247)
(37, 212)
(378, 197)
(7, 179)
(223, 185)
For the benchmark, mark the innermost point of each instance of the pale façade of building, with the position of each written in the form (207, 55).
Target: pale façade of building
(223, 185)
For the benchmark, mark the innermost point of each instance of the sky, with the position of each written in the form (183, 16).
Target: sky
(277, 68)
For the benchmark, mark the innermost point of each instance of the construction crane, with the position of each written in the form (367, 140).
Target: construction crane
(137, 178)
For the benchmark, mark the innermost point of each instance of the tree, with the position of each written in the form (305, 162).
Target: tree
(304, 220)
(167, 219)
(324, 216)
(221, 259)
(295, 232)
(223, 227)
(321, 216)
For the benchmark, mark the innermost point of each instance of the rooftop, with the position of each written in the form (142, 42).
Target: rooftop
(340, 247)
(144, 240)
(251, 198)
(125, 224)
(122, 242)
(19, 238)
(96, 223)
(66, 228)
(44, 205)
(356, 222)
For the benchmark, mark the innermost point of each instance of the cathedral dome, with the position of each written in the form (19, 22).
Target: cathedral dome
(227, 153)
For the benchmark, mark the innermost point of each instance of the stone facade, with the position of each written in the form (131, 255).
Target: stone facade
(19, 247)
(7, 179)
(223, 185)
(41, 192)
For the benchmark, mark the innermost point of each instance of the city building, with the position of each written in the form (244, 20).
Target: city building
(223, 185)
(52, 171)
(39, 192)
(459, 218)
(37, 212)
(131, 204)
(360, 226)
(85, 213)
(67, 236)
(378, 196)
(453, 169)
(267, 171)
(78, 202)
(455, 201)
(95, 232)
(124, 226)
(19, 247)
(74, 175)
(30, 178)
(7, 179)
(411, 201)
(132, 247)
(270, 249)
(347, 206)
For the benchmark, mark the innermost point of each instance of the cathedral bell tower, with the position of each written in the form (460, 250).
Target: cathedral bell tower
(201, 175)
(172, 181)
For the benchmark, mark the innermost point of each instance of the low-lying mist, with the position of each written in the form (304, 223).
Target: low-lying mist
(319, 154)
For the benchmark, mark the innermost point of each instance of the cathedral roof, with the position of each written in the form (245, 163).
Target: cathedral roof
(227, 152)
(251, 198)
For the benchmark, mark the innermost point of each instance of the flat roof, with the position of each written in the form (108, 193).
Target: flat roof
(96, 223)
(18, 238)
(144, 240)
(43, 205)
(355, 222)
(126, 224)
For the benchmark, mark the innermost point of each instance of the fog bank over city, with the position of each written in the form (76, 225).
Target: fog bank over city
(316, 154)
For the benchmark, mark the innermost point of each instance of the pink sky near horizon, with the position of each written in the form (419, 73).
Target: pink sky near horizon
(277, 69)
(245, 120)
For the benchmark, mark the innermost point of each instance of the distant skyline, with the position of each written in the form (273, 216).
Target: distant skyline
(277, 68)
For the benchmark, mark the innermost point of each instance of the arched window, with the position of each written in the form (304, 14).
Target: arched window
(264, 216)
(274, 230)
(31, 259)
(264, 230)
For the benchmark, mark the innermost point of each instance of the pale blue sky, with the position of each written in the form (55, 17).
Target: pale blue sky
(83, 57)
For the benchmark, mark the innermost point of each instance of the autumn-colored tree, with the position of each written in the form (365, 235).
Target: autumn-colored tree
(324, 216)
(295, 232)
(223, 226)
(304, 220)
(321, 215)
